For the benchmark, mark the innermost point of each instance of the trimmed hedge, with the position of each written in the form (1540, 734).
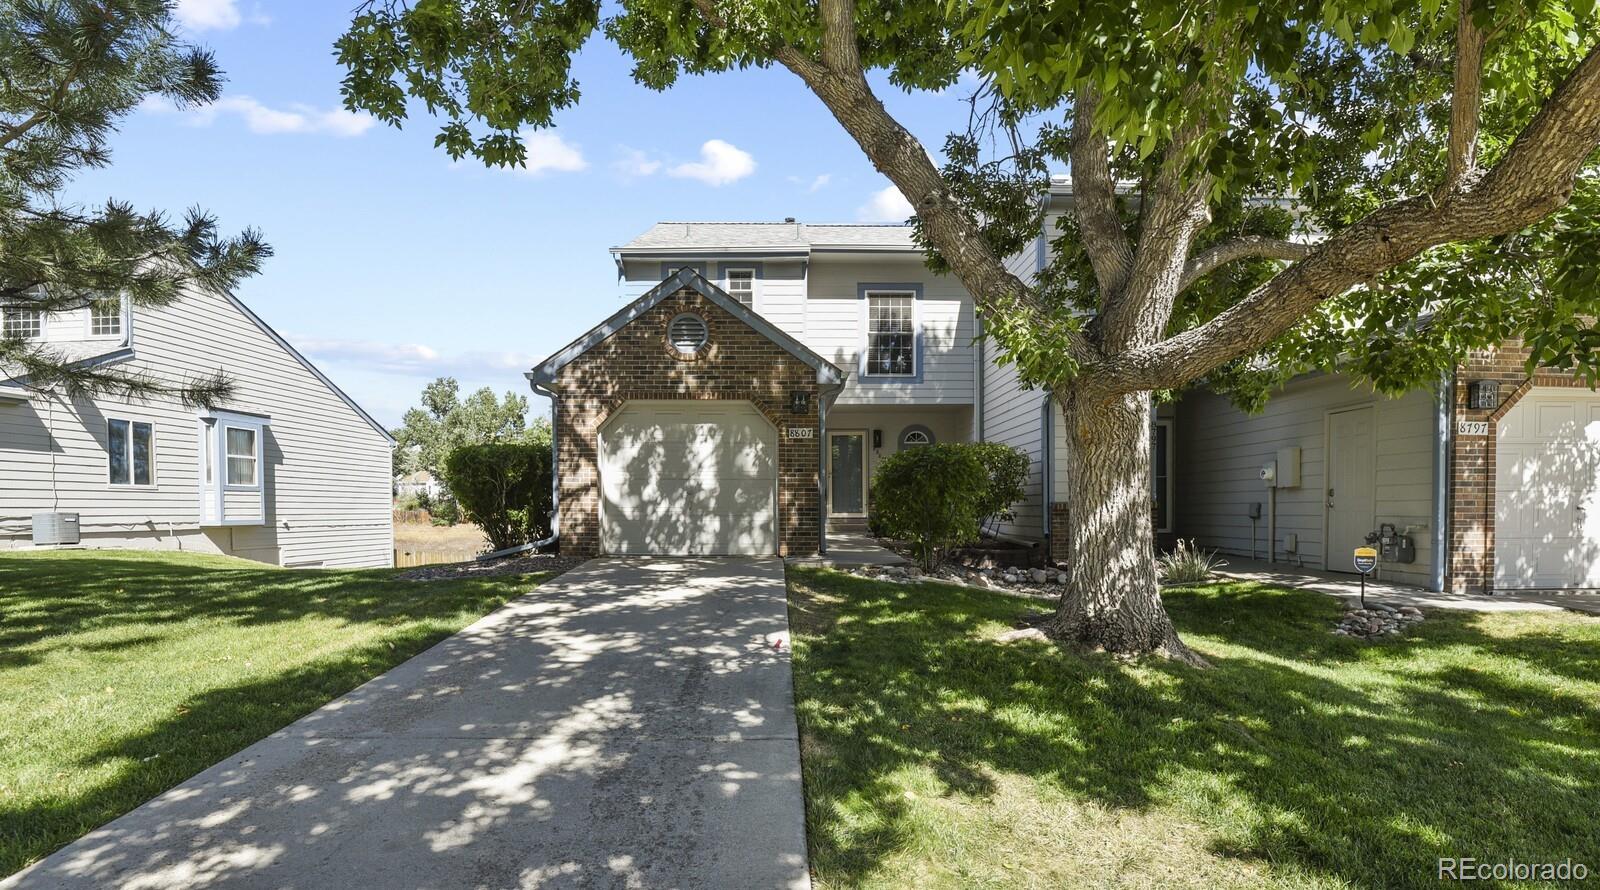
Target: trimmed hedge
(504, 488)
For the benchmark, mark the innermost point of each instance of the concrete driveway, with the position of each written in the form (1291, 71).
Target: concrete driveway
(626, 725)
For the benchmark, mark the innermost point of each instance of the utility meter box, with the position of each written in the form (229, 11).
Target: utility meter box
(1269, 473)
(1288, 467)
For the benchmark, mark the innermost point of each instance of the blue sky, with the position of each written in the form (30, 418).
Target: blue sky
(395, 265)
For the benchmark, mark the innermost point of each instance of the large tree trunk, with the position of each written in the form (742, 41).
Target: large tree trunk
(1112, 601)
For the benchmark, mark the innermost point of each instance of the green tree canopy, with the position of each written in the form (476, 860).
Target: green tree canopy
(445, 422)
(70, 70)
(1258, 187)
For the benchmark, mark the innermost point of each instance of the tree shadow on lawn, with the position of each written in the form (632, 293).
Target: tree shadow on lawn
(48, 599)
(1313, 756)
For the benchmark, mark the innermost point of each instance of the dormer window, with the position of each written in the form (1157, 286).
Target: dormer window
(105, 317)
(21, 324)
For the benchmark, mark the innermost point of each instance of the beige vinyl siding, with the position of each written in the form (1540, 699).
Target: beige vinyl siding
(780, 285)
(836, 321)
(1220, 451)
(1012, 415)
(327, 470)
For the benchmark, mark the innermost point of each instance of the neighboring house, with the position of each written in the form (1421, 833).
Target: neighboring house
(418, 484)
(740, 400)
(1491, 477)
(291, 471)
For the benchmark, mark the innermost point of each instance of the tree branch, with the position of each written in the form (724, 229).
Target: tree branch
(1248, 247)
(1171, 215)
(1532, 180)
(1465, 98)
(839, 81)
(1094, 200)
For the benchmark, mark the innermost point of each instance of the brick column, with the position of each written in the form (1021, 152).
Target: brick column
(1470, 567)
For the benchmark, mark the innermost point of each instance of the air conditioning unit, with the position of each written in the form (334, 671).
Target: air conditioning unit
(55, 528)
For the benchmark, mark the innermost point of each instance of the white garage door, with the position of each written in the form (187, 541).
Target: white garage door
(689, 478)
(1547, 492)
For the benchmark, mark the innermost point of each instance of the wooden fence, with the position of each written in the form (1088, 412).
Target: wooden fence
(405, 557)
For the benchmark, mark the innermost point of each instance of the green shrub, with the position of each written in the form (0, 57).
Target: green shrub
(445, 511)
(504, 488)
(930, 497)
(1007, 469)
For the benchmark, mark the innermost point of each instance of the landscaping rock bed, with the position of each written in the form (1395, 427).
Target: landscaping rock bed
(512, 565)
(1377, 620)
(1027, 582)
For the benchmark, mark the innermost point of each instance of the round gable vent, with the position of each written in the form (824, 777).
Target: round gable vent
(687, 333)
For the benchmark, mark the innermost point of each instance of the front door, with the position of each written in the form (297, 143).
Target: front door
(847, 474)
(1352, 490)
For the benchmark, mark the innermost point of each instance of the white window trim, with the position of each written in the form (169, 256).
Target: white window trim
(155, 477)
(122, 322)
(224, 455)
(1171, 482)
(44, 324)
(866, 332)
(755, 284)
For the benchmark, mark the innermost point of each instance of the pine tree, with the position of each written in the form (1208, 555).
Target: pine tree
(70, 70)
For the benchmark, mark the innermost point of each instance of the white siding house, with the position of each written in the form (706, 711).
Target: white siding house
(1365, 460)
(291, 471)
(838, 289)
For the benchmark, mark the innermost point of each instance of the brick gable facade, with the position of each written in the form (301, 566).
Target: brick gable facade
(1471, 484)
(637, 362)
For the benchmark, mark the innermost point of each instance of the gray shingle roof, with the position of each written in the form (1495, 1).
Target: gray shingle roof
(669, 236)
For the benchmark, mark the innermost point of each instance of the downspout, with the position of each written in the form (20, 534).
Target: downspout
(1443, 438)
(1047, 460)
(983, 371)
(555, 478)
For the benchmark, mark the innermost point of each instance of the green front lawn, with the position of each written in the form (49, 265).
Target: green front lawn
(124, 673)
(935, 757)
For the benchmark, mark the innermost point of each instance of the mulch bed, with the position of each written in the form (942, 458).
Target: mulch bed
(512, 565)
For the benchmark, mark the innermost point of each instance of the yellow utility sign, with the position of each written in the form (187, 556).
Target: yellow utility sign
(1366, 560)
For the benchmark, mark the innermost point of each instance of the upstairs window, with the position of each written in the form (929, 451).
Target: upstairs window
(741, 285)
(21, 324)
(130, 451)
(242, 446)
(105, 317)
(891, 334)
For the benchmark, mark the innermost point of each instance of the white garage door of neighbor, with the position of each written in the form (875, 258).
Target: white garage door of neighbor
(1547, 492)
(690, 478)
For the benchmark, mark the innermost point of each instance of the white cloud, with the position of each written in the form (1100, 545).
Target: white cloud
(414, 358)
(635, 163)
(203, 15)
(720, 163)
(820, 182)
(549, 152)
(886, 205)
(216, 15)
(261, 118)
